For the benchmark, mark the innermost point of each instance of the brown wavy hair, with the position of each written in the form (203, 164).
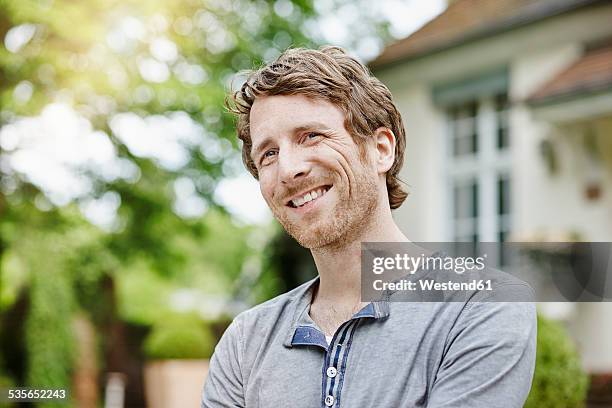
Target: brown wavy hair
(329, 74)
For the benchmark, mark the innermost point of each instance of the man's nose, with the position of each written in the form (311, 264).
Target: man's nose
(292, 166)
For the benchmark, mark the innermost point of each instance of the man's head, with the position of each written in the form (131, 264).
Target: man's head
(318, 120)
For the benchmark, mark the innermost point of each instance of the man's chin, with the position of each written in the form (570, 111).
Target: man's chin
(312, 242)
(311, 237)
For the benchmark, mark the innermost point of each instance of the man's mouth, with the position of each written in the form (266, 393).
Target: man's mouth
(307, 197)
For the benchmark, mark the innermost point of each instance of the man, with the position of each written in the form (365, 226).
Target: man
(326, 142)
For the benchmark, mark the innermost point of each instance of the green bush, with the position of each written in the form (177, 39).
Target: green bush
(180, 338)
(559, 380)
(6, 383)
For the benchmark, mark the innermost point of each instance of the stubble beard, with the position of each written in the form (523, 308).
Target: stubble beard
(351, 216)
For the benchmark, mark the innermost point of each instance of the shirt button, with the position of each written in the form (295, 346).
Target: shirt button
(331, 372)
(329, 400)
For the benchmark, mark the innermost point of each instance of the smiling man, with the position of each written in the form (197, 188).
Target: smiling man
(326, 142)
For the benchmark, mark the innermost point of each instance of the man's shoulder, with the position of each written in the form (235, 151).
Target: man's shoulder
(505, 312)
(493, 299)
(281, 305)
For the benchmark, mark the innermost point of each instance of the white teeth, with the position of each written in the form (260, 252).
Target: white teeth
(298, 202)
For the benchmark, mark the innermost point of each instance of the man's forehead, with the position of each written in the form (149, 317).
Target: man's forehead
(280, 114)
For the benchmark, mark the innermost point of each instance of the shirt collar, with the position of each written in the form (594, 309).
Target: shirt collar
(303, 330)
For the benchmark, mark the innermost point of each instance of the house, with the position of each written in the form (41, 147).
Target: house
(507, 106)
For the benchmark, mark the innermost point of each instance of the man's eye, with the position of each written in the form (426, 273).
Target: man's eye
(267, 157)
(312, 135)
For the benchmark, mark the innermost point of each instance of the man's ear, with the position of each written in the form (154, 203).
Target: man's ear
(385, 149)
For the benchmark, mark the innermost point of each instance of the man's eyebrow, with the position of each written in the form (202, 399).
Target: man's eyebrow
(256, 150)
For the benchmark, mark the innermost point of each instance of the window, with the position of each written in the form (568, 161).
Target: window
(478, 170)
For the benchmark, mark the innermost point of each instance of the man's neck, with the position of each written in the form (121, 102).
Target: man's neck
(339, 267)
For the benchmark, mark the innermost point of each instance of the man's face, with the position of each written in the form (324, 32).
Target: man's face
(310, 171)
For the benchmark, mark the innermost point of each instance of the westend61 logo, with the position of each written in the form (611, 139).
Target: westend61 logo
(410, 264)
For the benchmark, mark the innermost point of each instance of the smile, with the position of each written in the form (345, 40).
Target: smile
(308, 197)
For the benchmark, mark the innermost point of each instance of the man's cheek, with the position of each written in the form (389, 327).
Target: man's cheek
(267, 191)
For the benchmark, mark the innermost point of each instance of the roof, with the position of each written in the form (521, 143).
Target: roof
(468, 20)
(591, 73)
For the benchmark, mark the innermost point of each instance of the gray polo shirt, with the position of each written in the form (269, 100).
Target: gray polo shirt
(390, 354)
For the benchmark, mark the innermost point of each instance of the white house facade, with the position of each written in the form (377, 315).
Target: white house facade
(507, 106)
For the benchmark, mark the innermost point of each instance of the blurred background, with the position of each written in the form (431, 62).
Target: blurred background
(131, 234)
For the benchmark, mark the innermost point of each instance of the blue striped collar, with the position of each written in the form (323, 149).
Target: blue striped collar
(304, 331)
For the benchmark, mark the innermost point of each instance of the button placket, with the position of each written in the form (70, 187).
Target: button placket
(332, 381)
